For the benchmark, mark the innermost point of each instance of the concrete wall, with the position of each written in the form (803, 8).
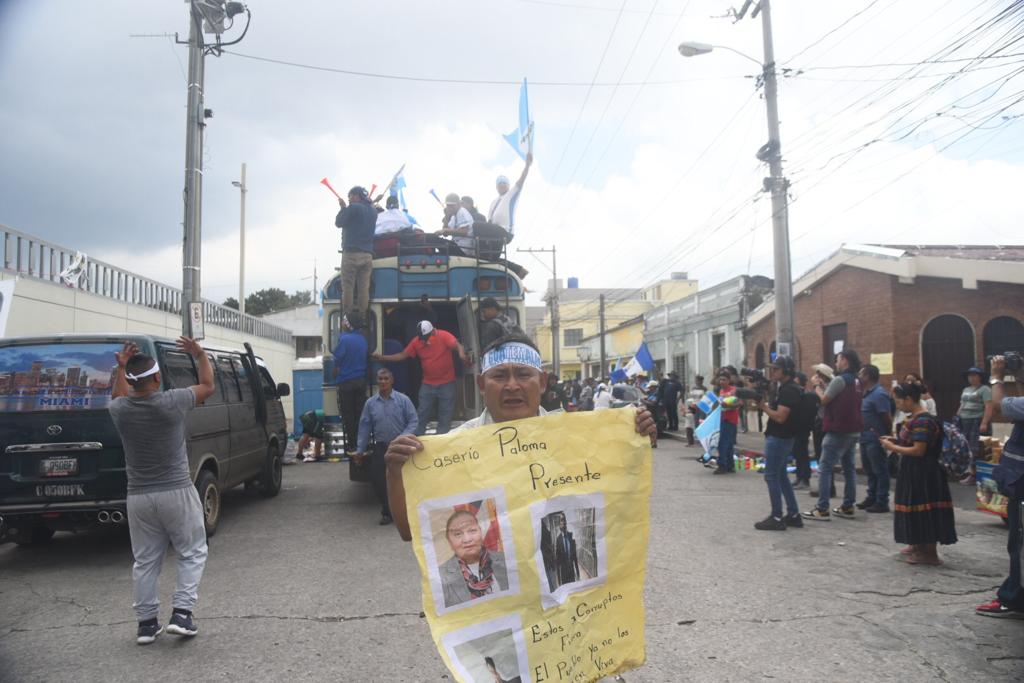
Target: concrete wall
(41, 308)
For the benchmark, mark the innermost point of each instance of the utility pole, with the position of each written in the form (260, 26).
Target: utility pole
(241, 242)
(552, 295)
(600, 318)
(777, 184)
(208, 16)
(196, 123)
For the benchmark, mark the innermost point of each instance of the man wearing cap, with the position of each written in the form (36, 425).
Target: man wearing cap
(843, 424)
(503, 208)
(350, 373)
(437, 391)
(358, 221)
(458, 224)
(1009, 477)
(493, 323)
(511, 381)
(163, 505)
(779, 436)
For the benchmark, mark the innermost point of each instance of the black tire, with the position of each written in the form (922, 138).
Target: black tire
(273, 471)
(209, 498)
(35, 535)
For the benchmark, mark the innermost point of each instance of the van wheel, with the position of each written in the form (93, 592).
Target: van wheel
(37, 534)
(273, 468)
(209, 496)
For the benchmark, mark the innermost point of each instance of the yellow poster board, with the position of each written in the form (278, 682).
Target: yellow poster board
(882, 361)
(531, 538)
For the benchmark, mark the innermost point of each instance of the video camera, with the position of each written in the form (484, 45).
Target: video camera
(760, 382)
(1014, 362)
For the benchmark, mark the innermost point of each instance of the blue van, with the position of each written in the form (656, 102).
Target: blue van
(61, 459)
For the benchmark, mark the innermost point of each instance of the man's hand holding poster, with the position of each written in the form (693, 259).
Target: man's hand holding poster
(532, 541)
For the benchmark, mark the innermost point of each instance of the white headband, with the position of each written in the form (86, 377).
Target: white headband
(512, 353)
(152, 371)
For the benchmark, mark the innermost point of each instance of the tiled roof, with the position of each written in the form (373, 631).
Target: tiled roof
(977, 252)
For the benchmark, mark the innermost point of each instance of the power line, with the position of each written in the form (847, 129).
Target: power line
(569, 5)
(841, 26)
(470, 81)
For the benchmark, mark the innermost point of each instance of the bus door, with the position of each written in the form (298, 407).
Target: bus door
(470, 337)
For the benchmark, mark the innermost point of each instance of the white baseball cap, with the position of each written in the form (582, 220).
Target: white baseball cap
(425, 328)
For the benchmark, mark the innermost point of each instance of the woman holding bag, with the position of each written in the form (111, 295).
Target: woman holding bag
(923, 505)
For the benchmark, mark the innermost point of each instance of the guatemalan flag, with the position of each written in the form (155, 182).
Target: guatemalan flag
(642, 362)
(521, 138)
(708, 403)
(708, 432)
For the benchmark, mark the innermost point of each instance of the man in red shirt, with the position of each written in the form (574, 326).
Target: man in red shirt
(729, 424)
(434, 349)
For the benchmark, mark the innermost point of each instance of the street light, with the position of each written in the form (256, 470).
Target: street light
(241, 245)
(776, 183)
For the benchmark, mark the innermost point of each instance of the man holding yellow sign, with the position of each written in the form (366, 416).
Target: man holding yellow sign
(530, 530)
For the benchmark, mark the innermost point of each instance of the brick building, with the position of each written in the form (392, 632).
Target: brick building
(936, 309)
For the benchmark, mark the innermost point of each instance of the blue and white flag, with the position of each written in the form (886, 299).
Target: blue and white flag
(642, 362)
(708, 403)
(708, 432)
(618, 374)
(521, 138)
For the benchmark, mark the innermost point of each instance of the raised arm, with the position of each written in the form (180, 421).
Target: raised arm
(526, 170)
(206, 387)
(389, 358)
(121, 386)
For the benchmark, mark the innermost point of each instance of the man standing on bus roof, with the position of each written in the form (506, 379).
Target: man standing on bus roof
(434, 349)
(163, 505)
(503, 208)
(511, 381)
(350, 357)
(357, 221)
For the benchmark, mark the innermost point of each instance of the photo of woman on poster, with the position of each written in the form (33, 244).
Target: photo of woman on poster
(467, 545)
(489, 652)
(473, 570)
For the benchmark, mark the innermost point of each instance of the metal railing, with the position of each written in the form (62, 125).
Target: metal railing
(32, 257)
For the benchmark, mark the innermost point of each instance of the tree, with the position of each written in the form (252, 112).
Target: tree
(270, 301)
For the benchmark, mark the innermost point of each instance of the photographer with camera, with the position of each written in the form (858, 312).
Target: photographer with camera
(1009, 476)
(778, 443)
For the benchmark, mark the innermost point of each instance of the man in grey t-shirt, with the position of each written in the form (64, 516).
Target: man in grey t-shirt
(163, 505)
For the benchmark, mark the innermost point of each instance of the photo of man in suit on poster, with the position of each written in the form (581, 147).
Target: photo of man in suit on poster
(571, 545)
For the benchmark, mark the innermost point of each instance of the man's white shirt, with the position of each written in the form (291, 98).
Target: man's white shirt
(503, 209)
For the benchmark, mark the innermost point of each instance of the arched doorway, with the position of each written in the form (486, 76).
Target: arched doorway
(1000, 335)
(759, 357)
(947, 349)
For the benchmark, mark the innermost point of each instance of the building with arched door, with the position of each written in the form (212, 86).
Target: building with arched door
(932, 310)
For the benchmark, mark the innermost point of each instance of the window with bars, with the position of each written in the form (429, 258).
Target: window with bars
(572, 337)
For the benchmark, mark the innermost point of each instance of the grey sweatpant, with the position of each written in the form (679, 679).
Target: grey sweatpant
(154, 520)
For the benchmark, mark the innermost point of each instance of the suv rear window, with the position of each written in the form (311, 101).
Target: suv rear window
(57, 377)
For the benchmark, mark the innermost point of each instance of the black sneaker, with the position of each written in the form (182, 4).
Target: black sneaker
(182, 624)
(794, 520)
(877, 507)
(865, 504)
(770, 523)
(385, 520)
(148, 631)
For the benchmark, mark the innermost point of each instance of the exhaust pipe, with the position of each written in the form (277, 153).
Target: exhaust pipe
(103, 517)
(117, 517)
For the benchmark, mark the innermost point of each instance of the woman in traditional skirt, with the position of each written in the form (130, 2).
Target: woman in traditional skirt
(924, 508)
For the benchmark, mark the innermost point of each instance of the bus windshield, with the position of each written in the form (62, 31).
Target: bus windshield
(56, 377)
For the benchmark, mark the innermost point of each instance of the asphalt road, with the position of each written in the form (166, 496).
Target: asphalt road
(307, 586)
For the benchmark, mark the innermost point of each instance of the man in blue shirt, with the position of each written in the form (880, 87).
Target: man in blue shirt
(1009, 476)
(387, 415)
(876, 412)
(358, 222)
(350, 358)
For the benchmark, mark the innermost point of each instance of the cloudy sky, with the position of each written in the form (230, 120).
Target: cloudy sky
(645, 160)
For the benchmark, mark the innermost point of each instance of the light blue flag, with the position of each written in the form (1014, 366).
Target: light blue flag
(521, 138)
(707, 404)
(708, 432)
